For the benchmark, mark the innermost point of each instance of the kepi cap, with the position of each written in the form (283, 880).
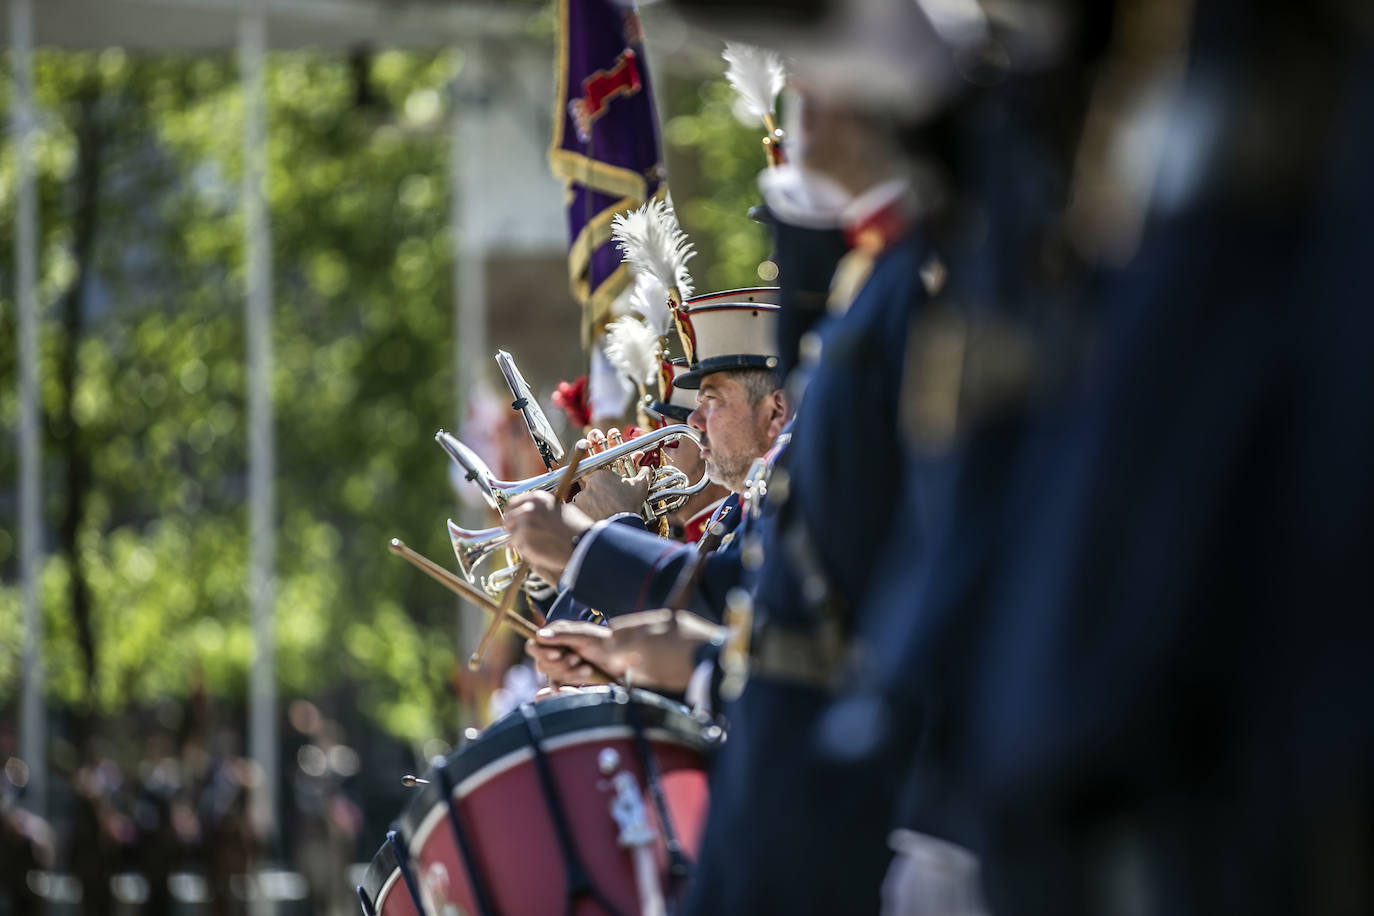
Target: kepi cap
(734, 329)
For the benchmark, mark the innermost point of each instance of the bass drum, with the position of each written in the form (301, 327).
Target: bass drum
(389, 887)
(570, 805)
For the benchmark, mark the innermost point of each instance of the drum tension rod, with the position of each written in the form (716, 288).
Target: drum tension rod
(580, 884)
(402, 854)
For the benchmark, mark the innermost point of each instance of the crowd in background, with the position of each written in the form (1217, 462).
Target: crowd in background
(163, 825)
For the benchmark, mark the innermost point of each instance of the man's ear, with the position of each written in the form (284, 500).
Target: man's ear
(776, 404)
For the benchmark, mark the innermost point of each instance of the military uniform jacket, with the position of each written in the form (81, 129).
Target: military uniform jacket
(845, 462)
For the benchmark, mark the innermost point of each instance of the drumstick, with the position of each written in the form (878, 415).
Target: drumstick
(535, 614)
(458, 586)
(523, 570)
(687, 579)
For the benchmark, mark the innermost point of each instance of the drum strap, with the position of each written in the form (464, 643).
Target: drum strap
(579, 883)
(679, 866)
(480, 895)
(402, 854)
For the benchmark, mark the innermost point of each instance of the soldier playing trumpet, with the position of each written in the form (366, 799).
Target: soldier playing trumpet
(741, 409)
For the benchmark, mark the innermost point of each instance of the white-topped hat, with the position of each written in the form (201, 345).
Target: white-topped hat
(734, 329)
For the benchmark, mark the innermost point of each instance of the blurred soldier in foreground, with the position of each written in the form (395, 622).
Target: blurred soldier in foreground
(1135, 622)
(1159, 714)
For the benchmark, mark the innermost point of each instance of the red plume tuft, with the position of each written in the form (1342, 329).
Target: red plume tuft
(574, 399)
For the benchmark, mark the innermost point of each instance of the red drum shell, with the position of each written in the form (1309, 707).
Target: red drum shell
(506, 818)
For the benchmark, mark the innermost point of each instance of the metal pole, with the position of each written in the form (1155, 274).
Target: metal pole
(262, 733)
(33, 727)
(472, 354)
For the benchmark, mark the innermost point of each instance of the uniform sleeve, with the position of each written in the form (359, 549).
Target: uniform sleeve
(570, 572)
(566, 607)
(619, 569)
(624, 569)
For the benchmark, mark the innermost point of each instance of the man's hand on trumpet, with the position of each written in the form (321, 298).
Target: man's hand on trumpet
(648, 649)
(613, 490)
(606, 493)
(542, 531)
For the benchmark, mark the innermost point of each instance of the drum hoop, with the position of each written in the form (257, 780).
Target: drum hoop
(386, 889)
(380, 871)
(515, 758)
(390, 865)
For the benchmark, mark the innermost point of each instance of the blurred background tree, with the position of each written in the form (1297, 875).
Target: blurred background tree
(144, 367)
(713, 160)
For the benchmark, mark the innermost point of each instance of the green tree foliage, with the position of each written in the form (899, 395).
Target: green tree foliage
(362, 337)
(713, 161)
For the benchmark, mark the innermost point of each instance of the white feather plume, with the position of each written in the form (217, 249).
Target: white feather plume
(632, 348)
(622, 304)
(757, 75)
(649, 300)
(654, 245)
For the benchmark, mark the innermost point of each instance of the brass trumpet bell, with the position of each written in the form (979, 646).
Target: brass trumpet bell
(472, 546)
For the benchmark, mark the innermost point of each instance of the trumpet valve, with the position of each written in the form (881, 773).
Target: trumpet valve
(499, 580)
(666, 478)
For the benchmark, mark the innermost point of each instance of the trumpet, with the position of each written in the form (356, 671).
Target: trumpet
(472, 546)
(668, 491)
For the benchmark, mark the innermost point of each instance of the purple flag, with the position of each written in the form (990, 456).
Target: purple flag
(605, 143)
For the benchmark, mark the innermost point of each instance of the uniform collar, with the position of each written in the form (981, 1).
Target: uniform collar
(779, 445)
(879, 216)
(696, 526)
